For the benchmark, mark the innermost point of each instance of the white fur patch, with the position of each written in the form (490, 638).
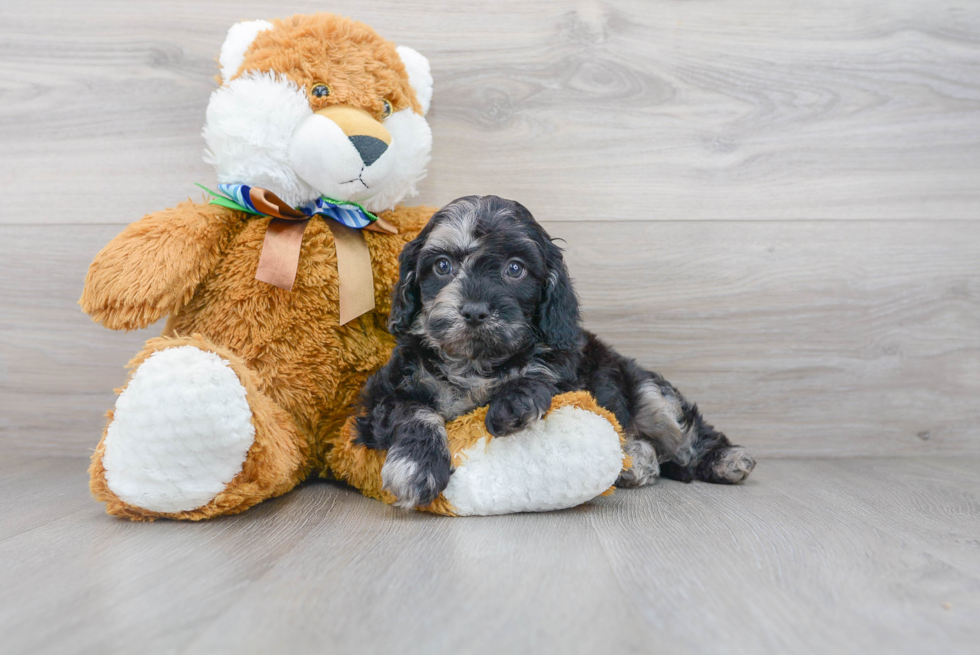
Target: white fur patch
(250, 123)
(455, 232)
(419, 75)
(398, 477)
(180, 431)
(324, 157)
(411, 141)
(237, 42)
(569, 457)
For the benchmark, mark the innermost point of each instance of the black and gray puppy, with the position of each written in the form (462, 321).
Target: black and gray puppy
(484, 314)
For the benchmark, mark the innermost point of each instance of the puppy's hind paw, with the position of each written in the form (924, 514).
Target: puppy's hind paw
(645, 469)
(729, 465)
(415, 481)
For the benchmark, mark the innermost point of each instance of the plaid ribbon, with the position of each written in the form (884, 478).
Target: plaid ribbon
(238, 197)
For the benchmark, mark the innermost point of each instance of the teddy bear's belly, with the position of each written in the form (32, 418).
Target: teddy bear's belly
(304, 360)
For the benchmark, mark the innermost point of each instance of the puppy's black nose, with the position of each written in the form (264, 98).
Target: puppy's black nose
(369, 148)
(475, 312)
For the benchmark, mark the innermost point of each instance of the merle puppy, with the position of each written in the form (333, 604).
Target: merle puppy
(484, 314)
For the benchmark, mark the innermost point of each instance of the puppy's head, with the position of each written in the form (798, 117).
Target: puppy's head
(483, 281)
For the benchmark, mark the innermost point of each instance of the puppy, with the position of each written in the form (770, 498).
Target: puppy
(484, 314)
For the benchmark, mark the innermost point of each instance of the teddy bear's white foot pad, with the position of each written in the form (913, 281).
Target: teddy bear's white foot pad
(568, 458)
(180, 431)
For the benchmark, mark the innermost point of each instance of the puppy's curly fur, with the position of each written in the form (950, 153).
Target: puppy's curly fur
(484, 313)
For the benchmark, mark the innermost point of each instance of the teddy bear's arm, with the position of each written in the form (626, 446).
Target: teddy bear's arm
(152, 268)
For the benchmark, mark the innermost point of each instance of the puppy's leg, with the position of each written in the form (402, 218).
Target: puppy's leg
(418, 464)
(688, 447)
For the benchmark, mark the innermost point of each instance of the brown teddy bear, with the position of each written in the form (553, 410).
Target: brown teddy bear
(277, 293)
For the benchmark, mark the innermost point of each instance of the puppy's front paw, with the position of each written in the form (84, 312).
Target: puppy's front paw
(415, 479)
(514, 409)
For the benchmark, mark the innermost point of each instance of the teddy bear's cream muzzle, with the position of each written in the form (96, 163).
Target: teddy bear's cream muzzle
(343, 152)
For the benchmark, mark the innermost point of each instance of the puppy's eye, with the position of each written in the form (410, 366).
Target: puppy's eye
(443, 266)
(386, 109)
(514, 269)
(320, 90)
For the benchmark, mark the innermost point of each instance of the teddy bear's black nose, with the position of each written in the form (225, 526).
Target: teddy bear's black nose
(369, 148)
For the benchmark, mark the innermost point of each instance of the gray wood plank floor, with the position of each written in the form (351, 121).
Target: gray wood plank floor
(817, 556)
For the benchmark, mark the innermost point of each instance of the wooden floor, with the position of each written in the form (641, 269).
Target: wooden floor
(812, 556)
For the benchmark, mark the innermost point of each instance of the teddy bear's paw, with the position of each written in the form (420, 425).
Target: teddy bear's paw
(180, 431)
(565, 459)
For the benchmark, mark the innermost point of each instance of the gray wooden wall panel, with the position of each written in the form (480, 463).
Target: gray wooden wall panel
(775, 204)
(797, 338)
(633, 110)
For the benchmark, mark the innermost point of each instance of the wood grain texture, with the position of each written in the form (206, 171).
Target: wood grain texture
(818, 338)
(627, 110)
(818, 556)
(773, 204)
(796, 338)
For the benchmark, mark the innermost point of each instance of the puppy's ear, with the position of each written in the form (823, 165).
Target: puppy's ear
(558, 313)
(406, 300)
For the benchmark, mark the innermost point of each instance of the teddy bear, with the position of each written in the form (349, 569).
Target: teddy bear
(276, 292)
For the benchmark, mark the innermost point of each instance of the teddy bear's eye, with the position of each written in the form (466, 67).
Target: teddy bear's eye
(320, 90)
(386, 110)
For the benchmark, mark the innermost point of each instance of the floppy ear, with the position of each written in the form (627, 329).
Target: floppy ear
(406, 299)
(240, 37)
(558, 314)
(419, 75)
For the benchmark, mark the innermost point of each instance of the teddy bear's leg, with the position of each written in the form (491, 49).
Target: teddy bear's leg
(192, 437)
(573, 454)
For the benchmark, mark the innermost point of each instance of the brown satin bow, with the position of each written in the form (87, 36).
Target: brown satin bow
(279, 259)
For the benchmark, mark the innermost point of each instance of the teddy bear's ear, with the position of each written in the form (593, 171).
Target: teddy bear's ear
(239, 38)
(419, 75)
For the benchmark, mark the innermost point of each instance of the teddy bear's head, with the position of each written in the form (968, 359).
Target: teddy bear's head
(320, 105)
